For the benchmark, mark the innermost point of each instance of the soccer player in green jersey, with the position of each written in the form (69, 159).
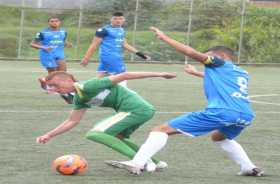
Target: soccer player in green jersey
(131, 110)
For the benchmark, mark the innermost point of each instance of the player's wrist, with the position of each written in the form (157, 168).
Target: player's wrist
(141, 54)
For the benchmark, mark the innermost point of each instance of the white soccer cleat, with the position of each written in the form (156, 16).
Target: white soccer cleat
(253, 172)
(150, 166)
(127, 165)
(161, 165)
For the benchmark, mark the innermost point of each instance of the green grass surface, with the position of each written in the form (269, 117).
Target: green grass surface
(26, 112)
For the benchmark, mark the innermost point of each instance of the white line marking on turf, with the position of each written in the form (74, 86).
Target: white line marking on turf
(263, 102)
(264, 95)
(266, 103)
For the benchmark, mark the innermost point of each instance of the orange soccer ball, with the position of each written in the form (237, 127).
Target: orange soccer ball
(70, 165)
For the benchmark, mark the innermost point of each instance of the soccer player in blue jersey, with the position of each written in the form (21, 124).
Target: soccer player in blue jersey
(51, 42)
(228, 111)
(111, 41)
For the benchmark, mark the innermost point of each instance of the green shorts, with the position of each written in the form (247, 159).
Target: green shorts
(124, 123)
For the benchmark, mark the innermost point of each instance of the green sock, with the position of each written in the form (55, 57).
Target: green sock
(111, 142)
(135, 147)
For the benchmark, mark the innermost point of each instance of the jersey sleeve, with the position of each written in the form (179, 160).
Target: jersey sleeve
(213, 61)
(101, 32)
(39, 37)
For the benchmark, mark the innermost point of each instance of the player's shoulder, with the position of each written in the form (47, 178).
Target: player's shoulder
(102, 31)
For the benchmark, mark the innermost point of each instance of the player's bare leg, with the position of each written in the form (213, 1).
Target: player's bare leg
(61, 66)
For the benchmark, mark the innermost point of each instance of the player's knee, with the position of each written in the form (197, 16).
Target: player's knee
(217, 136)
(163, 128)
(150, 113)
(92, 135)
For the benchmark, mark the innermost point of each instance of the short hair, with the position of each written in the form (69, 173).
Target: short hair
(230, 52)
(118, 14)
(61, 74)
(53, 17)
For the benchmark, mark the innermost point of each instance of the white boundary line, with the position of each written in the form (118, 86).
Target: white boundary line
(265, 95)
(263, 102)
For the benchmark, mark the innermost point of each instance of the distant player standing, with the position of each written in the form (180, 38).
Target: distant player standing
(132, 111)
(111, 41)
(51, 41)
(228, 111)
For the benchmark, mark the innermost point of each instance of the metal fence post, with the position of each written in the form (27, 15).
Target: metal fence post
(241, 31)
(189, 27)
(134, 28)
(22, 15)
(78, 37)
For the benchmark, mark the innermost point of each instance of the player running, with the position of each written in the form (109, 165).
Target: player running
(131, 110)
(51, 41)
(111, 41)
(228, 111)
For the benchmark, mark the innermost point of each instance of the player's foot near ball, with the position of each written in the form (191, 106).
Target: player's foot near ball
(127, 165)
(43, 84)
(253, 172)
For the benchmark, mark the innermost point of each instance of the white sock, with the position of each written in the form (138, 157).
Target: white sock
(155, 142)
(236, 153)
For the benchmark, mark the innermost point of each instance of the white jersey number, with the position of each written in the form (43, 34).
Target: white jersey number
(243, 87)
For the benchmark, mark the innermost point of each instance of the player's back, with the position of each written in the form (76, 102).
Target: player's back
(102, 92)
(226, 87)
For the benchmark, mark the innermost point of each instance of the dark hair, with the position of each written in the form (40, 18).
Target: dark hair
(118, 14)
(53, 17)
(223, 49)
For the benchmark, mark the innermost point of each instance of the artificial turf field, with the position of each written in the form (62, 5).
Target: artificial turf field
(26, 112)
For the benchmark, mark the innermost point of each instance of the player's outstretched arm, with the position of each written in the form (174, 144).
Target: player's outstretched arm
(185, 49)
(139, 75)
(93, 46)
(73, 119)
(190, 69)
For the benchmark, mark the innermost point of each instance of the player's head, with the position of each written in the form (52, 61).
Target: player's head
(54, 22)
(117, 19)
(60, 82)
(221, 51)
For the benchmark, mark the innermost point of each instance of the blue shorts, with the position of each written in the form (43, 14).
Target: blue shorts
(228, 122)
(111, 66)
(51, 59)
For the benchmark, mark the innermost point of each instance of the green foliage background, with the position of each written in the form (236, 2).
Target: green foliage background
(214, 22)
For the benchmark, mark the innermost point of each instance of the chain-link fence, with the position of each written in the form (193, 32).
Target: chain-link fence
(249, 27)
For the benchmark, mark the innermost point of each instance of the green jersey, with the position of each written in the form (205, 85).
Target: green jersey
(102, 92)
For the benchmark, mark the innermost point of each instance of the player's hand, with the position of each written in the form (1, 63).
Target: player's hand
(43, 139)
(159, 33)
(68, 45)
(47, 49)
(190, 69)
(168, 75)
(148, 58)
(84, 62)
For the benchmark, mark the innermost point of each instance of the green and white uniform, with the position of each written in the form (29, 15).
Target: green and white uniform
(132, 110)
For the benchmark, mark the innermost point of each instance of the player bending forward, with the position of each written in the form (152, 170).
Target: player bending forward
(228, 111)
(114, 131)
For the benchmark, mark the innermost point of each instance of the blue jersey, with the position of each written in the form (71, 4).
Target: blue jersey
(54, 39)
(112, 42)
(225, 86)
